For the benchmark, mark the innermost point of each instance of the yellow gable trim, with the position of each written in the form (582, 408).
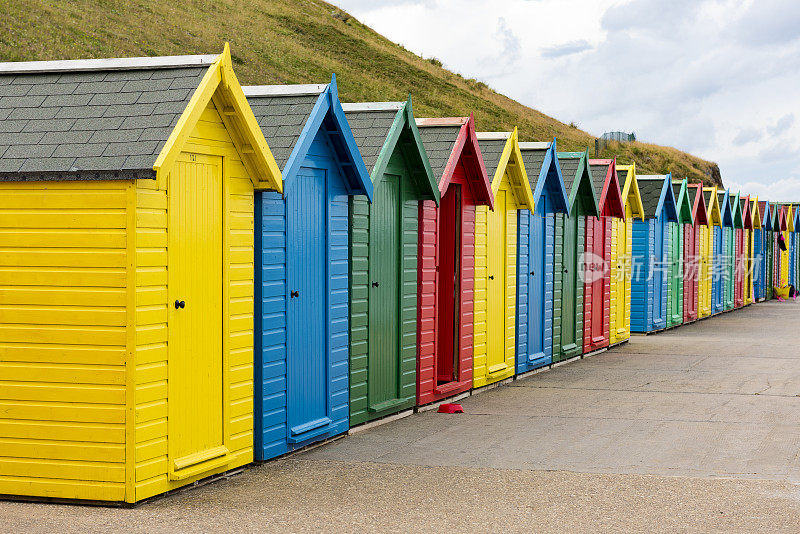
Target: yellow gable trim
(630, 191)
(511, 160)
(221, 84)
(755, 215)
(716, 216)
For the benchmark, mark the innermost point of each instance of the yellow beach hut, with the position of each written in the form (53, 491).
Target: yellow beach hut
(126, 322)
(714, 218)
(496, 258)
(621, 249)
(755, 218)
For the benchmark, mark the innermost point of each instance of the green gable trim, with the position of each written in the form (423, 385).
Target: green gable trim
(737, 211)
(411, 148)
(682, 202)
(582, 186)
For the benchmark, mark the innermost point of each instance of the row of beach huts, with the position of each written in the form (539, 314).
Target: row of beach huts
(196, 275)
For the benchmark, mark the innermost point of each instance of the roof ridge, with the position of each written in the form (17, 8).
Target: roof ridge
(493, 136)
(284, 90)
(372, 106)
(440, 121)
(535, 145)
(127, 63)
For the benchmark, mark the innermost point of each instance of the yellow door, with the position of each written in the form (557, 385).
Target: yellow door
(748, 273)
(195, 245)
(622, 236)
(785, 262)
(705, 271)
(495, 291)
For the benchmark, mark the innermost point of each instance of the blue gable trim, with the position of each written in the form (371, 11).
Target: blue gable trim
(328, 112)
(667, 201)
(727, 216)
(550, 177)
(766, 224)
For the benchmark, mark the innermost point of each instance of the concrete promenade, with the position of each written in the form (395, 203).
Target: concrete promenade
(694, 429)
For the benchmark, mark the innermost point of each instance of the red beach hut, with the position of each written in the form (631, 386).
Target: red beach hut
(692, 265)
(445, 267)
(597, 257)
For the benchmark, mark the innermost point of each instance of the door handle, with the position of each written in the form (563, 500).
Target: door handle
(532, 273)
(491, 277)
(293, 294)
(375, 284)
(180, 304)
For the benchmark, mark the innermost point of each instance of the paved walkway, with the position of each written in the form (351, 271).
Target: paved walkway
(695, 429)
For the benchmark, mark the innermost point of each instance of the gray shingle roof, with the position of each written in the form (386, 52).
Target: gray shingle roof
(622, 175)
(533, 158)
(599, 173)
(112, 123)
(281, 118)
(569, 171)
(650, 190)
(439, 142)
(721, 201)
(370, 129)
(676, 190)
(491, 150)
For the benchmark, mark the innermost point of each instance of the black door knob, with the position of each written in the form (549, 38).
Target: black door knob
(180, 304)
(491, 277)
(293, 294)
(532, 273)
(375, 284)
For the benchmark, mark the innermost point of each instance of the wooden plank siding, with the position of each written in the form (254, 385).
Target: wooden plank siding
(63, 343)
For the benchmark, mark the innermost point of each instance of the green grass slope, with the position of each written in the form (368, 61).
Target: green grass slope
(296, 41)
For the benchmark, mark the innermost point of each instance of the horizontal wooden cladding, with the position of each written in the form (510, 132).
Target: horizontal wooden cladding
(62, 489)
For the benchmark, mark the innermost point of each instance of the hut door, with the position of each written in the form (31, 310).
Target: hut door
(536, 281)
(449, 291)
(307, 369)
(676, 247)
(621, 276)
(570, 282)
(598, 284)
(384, 296)
(659, 314)
(719, 269)
(196, 377)
(495, 285)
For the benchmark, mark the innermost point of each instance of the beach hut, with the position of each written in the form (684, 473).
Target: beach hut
(621, 248)
(681, 239)
(597, 255)
(384, 259)
(782, 256)
(127, 194)
(302, 326)
(747, 250)
(769, 249)
(714, 233)
(651, 242)
(788, 254)
(738, 250)
(704, 266)
(757, 209)
(727, 250)
(695, 258)
(794, 275)
(535, 257)
(570, 238)
(445, 272)
(496, 258)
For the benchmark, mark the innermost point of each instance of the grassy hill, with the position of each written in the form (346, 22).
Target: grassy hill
(296, 41)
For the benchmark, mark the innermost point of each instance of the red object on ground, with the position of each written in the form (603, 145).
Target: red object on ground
(450, 408)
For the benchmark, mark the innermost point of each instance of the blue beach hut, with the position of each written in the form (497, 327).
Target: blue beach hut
(728, 249)
(301, 313)
(535, 260)
(650, 254)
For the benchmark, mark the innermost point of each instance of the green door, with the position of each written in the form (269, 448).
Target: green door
(675, 287)
(569, 285)
(384, 374)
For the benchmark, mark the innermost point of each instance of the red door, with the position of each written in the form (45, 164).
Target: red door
(596, 271)
(449, 291)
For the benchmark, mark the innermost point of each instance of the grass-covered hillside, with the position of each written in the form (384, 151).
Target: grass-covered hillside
(295, 41)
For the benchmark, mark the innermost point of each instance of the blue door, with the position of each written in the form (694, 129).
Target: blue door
(307, 339)
(659, 306)
(718, 272)
(758, 277)
(536, 356)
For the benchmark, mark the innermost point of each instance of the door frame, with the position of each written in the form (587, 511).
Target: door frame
(220, 456)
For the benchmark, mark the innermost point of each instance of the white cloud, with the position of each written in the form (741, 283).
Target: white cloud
(717, 78)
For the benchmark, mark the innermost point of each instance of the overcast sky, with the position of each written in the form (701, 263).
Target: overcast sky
(719, 79)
